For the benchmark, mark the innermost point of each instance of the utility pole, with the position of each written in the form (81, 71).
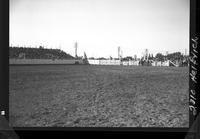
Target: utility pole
(146, 54)
(185, 52)
(119, 52)
(166, 53)
(76, 45)
(135, 57)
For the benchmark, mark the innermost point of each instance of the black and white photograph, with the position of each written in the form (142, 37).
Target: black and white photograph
(99, 63)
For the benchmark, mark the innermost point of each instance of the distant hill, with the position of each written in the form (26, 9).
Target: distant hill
(37, 53)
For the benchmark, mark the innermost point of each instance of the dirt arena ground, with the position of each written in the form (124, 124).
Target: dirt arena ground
(98, 96)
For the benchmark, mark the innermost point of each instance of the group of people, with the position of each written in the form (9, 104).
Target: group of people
(37, 53)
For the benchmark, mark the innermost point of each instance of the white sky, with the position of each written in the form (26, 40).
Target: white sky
(100, 26)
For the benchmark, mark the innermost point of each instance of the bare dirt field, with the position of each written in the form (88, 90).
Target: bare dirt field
(98, 96)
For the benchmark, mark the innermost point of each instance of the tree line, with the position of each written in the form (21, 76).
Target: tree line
(158, 57)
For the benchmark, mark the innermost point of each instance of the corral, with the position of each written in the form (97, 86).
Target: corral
(98, 96)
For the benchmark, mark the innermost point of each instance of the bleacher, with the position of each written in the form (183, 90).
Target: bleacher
(37, 53)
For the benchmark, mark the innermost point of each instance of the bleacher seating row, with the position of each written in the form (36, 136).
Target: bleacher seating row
(37, 53)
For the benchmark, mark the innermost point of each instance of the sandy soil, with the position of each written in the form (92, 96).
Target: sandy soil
(98, 96)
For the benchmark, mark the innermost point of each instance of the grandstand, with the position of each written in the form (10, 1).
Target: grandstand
(37, 53)
(23, 55)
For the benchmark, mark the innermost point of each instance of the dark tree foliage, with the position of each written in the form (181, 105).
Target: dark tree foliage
(159, 57)
(101, 58)
(175, 56)
(127, 58)
(91, 58)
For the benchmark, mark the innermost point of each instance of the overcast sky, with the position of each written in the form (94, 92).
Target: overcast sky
(100, 26)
